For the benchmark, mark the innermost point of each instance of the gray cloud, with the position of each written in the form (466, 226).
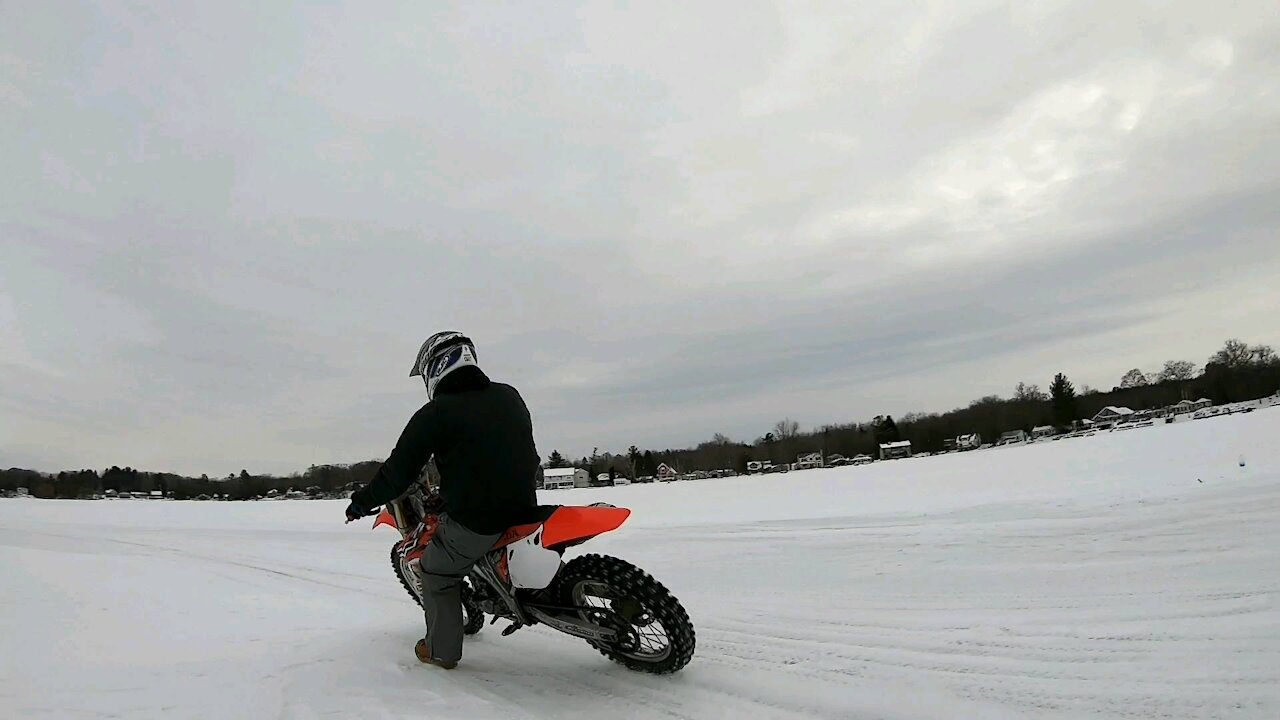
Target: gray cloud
(224, 229)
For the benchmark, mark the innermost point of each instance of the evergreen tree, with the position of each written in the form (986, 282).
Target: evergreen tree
(556, 460)
(1063, 393)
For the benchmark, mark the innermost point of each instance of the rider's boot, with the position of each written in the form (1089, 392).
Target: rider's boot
(424, 656)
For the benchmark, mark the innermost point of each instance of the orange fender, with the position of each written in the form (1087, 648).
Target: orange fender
(569, 523)
(384, 518)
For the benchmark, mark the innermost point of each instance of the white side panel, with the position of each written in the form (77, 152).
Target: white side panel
(531, 565)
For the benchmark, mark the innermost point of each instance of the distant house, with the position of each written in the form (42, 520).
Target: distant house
(1111, 414)
(563, 478)
(971, 441)
(862, 459)
(666, 473)
(156, 495)
(1012, 437)
(895, 450)
(1190, 406)
(809, 461)
(1042, 431)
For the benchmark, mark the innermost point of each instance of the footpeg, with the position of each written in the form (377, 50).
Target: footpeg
(511, 628)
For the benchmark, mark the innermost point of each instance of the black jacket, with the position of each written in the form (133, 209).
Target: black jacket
(482, 439)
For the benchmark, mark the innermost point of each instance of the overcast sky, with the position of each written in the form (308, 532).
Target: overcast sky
(225, 228)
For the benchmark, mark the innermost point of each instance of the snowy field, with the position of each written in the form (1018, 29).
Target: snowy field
(1126, 575)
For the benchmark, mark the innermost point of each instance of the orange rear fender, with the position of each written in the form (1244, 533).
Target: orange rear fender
(569, 524)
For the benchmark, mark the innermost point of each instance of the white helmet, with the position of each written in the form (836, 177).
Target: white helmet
(440, 355)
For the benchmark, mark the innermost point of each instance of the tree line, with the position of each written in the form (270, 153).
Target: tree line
(318, 480)
(1238, 371)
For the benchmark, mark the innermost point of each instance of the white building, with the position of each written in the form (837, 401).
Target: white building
(972, 441)
(1189, 406)
(1111, 415)
(809, 461)
(562, 478)
(1042, 431)
(893, 450)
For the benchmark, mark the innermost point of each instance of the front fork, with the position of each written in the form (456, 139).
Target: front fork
(402, 524)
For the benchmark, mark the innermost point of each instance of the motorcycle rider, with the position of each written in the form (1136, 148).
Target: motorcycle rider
(482, 438)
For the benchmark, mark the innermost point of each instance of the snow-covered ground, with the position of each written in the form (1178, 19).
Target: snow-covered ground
(1126, 575)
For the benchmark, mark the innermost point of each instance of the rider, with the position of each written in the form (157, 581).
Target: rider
(482, 439)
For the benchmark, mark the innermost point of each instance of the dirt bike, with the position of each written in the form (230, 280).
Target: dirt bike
(619, 609)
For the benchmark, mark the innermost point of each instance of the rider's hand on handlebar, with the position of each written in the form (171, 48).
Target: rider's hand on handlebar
(355, 511)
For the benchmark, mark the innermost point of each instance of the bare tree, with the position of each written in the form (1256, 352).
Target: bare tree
(1235, 353)
(1132, 379)
(1178, 370)
(786, 429)
(1029, 392)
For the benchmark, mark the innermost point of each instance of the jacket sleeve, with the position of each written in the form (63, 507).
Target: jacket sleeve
(416, 444)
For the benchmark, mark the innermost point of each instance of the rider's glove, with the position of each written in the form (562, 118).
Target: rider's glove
(355, 511)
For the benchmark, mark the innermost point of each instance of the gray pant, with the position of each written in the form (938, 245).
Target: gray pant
(448, 557)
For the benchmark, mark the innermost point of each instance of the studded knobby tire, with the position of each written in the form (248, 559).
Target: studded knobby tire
(472, 616)
(632, 582)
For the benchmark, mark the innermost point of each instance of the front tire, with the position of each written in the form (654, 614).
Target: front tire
(655, 634)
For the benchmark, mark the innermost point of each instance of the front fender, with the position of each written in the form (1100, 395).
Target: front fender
(385, 518)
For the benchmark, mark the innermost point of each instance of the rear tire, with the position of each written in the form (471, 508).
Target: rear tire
(639, 605)
(472, 615)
